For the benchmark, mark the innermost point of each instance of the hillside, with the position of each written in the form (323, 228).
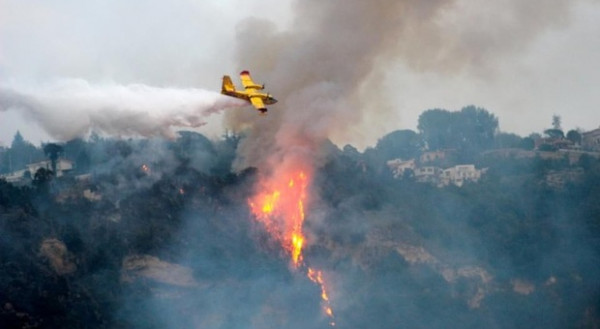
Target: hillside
(159, 234)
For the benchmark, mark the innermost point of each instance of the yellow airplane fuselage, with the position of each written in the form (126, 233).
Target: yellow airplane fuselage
(246, 95)
(250, 93)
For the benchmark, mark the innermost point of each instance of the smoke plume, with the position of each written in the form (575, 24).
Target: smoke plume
(326, 68)
(72, 108)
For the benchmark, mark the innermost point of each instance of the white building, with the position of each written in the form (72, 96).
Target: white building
(15, 176)
(591, 140)
(62, 166)
(435, 155)
(459, 174)
(456, 175)
(399, 166)
(428, 174)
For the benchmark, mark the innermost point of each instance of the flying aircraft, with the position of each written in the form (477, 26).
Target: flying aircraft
(250, 93)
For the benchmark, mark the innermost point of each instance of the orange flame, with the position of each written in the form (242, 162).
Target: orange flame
(281, 211)
(317, 277)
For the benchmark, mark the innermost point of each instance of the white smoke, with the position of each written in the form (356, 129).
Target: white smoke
(71, 108)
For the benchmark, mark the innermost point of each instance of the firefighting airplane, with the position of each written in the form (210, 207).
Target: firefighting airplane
(251, 92)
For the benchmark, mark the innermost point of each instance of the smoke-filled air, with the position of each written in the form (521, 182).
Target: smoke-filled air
(351, 182)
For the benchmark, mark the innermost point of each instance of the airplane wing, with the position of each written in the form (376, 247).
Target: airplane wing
(259, 104)
(247, 81)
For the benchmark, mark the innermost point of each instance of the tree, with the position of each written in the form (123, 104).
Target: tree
(226, 150)
(198, 151)
(42, 178)
(403, 144)
(53, 151)
(535, 136)
(77, 149)
(506, 140)
(476, 128)
(21, 152)
(434, 126)
(554, 133)
(471, 130)
(18, 141)
(190, 142)
(574, 136)
(556, 122)
(527, 143)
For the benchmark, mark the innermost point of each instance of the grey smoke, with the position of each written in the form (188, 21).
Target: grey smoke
(326, 68)
(72, 108)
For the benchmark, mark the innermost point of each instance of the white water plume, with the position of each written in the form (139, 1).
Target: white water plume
(71, 108)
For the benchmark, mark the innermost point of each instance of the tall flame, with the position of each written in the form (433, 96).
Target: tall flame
(281, 210)
(279, 206)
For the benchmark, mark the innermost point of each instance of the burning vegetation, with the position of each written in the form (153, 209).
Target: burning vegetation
(152, 233)
(279, 206)
(277, 227)
(281, 209)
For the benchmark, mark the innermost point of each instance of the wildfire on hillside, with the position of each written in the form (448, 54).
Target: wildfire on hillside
(280, 207)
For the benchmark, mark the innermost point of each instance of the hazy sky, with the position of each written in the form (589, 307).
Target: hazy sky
(521, 62)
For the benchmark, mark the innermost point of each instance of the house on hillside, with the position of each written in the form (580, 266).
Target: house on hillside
(437, 176)
(63, 166)
(551, 144)
(435, 155)
(16, 176)
(505, 153)
(429, 174)
(591, 140)
(399, 166)
(459, 174)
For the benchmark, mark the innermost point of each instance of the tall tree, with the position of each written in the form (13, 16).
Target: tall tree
(21, 152)
(403, 144)
(527, 143)
(574, 136)
(474, 129)
(53, 151)
(507, 140)
(77, 149)
(556, 122)
(18, 141)
(434, 126)
(470, 130)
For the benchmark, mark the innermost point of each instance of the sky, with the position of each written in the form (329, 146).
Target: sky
(524, 62)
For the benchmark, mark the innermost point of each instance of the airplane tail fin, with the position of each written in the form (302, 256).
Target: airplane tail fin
(227, 84)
